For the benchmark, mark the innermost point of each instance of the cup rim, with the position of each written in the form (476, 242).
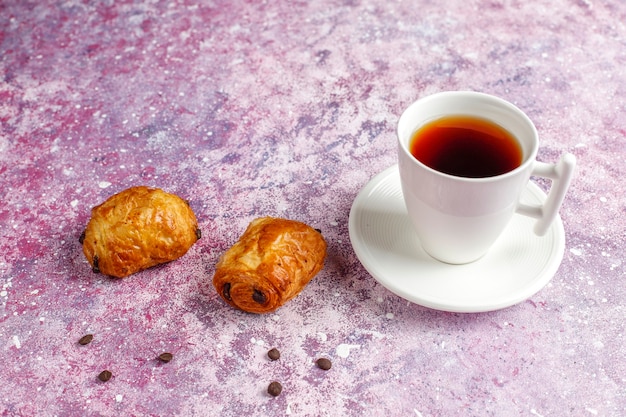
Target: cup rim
(529, 159)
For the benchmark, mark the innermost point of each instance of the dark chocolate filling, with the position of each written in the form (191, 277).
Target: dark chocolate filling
(95, 268)
(226, 291)
(259, 297)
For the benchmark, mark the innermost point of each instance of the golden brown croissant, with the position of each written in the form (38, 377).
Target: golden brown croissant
(270, 264)
(138, 228)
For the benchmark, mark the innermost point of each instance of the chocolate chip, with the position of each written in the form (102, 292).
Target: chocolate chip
(81, 239)
(273, 354)
(259, 297)
(274, 389)
(318, 231)
(165, 357)
(198, 234)
(95, 268)
(105, 375)
(324, 363)
(85, 340)
(226, 291)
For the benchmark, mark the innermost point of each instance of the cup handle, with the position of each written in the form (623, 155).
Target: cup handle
(561, 175)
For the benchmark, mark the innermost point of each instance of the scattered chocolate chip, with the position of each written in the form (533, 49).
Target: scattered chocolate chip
(226, 291)
(165, 357)
(95, 268)
(324, 363)
(85, 340)
(318, 231)
(198, 234)
(81, 239)
(105, 375)
(274, 389)
(259, 297)
(273, 354)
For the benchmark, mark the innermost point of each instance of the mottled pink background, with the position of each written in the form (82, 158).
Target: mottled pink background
(288, 109)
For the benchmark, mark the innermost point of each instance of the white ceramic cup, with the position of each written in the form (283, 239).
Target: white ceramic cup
(457, 219)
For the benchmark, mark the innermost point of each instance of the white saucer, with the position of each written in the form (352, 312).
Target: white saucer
(516, 267)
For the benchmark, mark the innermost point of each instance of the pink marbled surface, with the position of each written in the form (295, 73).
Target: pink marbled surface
(288, 109)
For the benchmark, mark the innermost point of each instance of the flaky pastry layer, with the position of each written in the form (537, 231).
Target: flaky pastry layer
(270, 264)
(136, 229)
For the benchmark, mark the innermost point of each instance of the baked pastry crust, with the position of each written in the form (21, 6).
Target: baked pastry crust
(136, 229)
(270, 264)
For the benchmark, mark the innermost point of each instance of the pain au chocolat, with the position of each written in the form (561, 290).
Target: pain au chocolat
(269, 265)
(136, 229)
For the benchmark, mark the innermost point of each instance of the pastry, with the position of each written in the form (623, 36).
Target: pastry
(270, 264)
(138, 228)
